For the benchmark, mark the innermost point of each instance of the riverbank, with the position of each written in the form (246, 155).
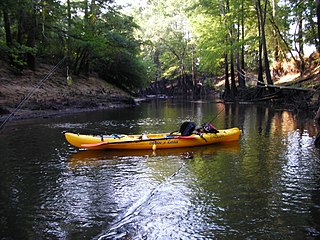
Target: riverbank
(62, 94)
(58, 94)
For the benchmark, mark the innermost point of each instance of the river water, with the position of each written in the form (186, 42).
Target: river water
(266, 186)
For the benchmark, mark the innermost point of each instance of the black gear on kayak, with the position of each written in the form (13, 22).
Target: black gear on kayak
(209, 128)
(187, 128)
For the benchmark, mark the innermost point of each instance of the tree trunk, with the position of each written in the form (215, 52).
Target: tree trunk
(69, 31)
(233, 80)
(231, 41)
(265, 51)
(226, 84)
(318, 23)
(300, 34)
(242, 79)
(194, 70)
(21, 25)
(80, 59)
(276, 64)
(264, 43)
(260, 67)
(300, 43)
(7, 25)
(31, 40)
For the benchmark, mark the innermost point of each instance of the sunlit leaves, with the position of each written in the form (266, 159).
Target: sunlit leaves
(166, 32)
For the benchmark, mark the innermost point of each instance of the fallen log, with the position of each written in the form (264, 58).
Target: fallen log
(288, 87)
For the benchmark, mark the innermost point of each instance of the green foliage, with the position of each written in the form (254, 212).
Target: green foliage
(93, 34)
(123, 71)
(161, 39)
(17, 55)
(166, 34)
(211, 43)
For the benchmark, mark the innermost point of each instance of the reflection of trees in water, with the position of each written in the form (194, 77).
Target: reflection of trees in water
(264, 120)
(268, 120)
(231, 115)
(279, 142)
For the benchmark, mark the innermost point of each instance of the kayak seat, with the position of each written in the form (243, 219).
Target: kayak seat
(187, 128)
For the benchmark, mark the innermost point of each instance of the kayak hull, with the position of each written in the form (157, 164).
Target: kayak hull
(150, 141)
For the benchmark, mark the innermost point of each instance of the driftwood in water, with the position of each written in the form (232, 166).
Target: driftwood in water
(288, 88)
(289, 94)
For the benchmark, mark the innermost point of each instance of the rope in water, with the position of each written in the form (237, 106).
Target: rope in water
(26, 98)
(137, 206)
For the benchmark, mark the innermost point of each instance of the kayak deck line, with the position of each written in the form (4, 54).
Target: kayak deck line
(150, 141)
(137, 140)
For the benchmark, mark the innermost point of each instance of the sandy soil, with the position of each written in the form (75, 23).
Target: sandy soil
(56, 95)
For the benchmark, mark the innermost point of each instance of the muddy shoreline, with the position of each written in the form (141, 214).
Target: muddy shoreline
(22, 97)
(12, 115)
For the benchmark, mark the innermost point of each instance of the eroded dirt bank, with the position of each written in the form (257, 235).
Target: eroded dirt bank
(56, 95)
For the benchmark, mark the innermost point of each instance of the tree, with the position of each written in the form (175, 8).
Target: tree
(20, 26)
(240, 59)
(165, 31)
(230, 27)
(217, 41)
(261, 15)
(6, 20)
(93, 34)
(163, 40)
(31, 35)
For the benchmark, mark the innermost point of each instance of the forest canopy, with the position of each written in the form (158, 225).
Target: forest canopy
(93, 36)
(162, 40)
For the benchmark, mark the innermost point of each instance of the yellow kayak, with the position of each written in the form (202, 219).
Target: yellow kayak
(150, 141)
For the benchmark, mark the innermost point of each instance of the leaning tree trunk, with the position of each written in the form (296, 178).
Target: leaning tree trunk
(299, 49)
(276, 63)
(260, 81)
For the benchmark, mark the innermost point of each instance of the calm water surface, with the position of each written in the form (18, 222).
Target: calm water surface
(266, 186)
